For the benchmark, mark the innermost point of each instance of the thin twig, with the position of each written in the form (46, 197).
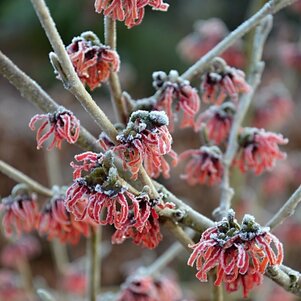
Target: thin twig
(253, 80)
(93, 268)
(271, 7)
(187, 216)
(162, 261)
(26, 274)
(179, 233)
(20, 177)
(55, 178)
(114, 82)
(34, 93)
(216, 290)
(286, 210)
(290, 281)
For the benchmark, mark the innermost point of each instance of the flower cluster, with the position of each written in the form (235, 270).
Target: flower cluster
(101, 198)
(57, 223)
(21, 212)
(217, 121)
(146, 139)
(208, 33)
(223, 81)
(92, 61)
(62, 124)
(142, 225)
(148, 288)
(205, 165)
(99, 191)
(240, 253)
(259, 150)
(129, 11)
(173, 89)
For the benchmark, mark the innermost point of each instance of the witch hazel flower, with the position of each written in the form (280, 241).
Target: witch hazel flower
(21, 250)
(57, 223)
(241, 253)
(20, 211)
(149, 288)
(98, 197)
(223, 81)
(273, 108)
(290, 54)
(75, 280)
(146, 140)
(92, 61)
(206, 35)
(204, 165)
(60, 125)
(129, 11)
(217, 121)
(172, 91)
(142, 224)
(259, 150)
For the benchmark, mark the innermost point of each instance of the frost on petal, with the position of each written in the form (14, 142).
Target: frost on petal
(92, 61)
(176, 94)
(217, 121)
(221, 82)
(204, 165)
(129, 11)
(241, 253)
(20, 212)
(259, 150)
(146, 140)
(58, 126)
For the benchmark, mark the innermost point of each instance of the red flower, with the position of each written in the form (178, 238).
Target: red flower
(57, 223)
(98, 192)
(277, 182)
(101, 198)
(62, 125)
(208, 33)
(146, 139)
(259, 150)
(250, 279)
(21, 250)
(75, 281)
(147, 235)
(142, 224)
(89, 161)
(217, 121)
(290, 54)
(240, 253)
(274, 107)
(221, 82)
(21, 212)
(130, 11)
(92, 61)
(87, 203)
(205, 165)
(172, 88)
(10, 287)
(147, 288)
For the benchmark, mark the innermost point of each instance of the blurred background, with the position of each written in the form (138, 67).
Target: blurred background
(153, 46)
